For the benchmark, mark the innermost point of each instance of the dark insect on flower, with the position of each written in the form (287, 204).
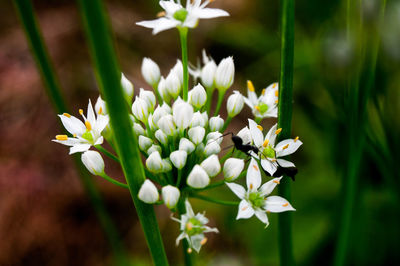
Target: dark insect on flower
(288, 171)
(238, 143)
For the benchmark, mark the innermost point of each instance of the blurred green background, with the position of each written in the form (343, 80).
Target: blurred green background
(45, 217)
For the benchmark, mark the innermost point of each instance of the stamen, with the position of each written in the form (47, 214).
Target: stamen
(255, 167)
(263, 92)
(74, 135)
(250, 86)
(278, 131)
(276, 93)
(274, 85)
(285, 205)
(285, 147)
(273, 160)
(88, 125)
(67, 115)
(61, 137)
(265, 144)
(80, 111)
(204, 241)
(276, 181)
(276, 101)
(296, 139)
(260, 127)
(100, 111)
(161, 14)
(257, 108)
(189, 250)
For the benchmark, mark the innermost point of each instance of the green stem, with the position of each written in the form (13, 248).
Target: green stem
(183, 32)
(207, 107)
(284, 121)
(27, 16)
(217, 201)
(115, 182)
(159, 98)
(178, 181)
(185, 245)
(98, 35)
(212, 185)
(226, 124)
(107, 153)
(219, 103)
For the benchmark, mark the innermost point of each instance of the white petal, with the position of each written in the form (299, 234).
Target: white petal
(180, 237)
(256, 133)
(170, 7)
(252, 97)
(253, 176)
(68, 142)
(189, 210)
(248, 102)
(73, 125)
(196, 241)
(268, 187)
(285, 163)
(271, 136)
(237, 189)
(206, 13)
(269, 166)
(262, 216)
(99, 141)
(277, 204)
(90, 114)
(245, 210)
(101, 123)
(159, 25)
(293, 146)
(79, 148)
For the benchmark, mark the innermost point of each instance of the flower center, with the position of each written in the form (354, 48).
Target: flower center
(88, 136)
(194, 227)
(269, 152)
(262, 108)
(256, 200)
(181, 14)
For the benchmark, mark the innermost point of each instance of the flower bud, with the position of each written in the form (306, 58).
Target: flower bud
(212, 148)
(199, 150)
(232, 168)
(154, 148)
(225, 74)
(216, 123)
(170, 196)
(166, 108)
(139, 130)
(140, 109)
(162, 90)
(148, 192)
(144, 142)
(214, 137)
(198, 120)
(127, 87)
(245, 135)
(173, 85)
(198, 96)
(198, 177)
(93, 162)
(100, 106)
(154, 162)
(211, 165)
(178, 70)
(166, 165)
(149, 97)
(178, 158)
(208, 74)
(161, 137)
(151, 124)
(158, 113)
(196, 134)
(235, 104)
(182, 113)
(166, 124)
(150, 71)
(205, 118)
(186, 145)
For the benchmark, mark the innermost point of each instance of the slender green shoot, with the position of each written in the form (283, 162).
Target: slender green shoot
(183, 33)
(221, 95)
(107, 153)
(217, 201)
(113, 181)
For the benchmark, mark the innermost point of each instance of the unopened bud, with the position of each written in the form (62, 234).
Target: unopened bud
(225, 74)
(196, 134)
(178, 158)
(198, 96)
(182, 113)
(235, 104)
(211, 165)
(208, 74)
(140, 109)
(150, 71)
(186, 145)
(127, 87)
(93, 162)
(144, 142)
(212, 148)
(170, 195)
(154, 162)
(233, 167)
(149, 97)
(198, 177)
(148, 192)
(161, 137)
(216, 123)
(166, 124)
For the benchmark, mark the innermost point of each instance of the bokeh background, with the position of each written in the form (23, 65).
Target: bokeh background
(45, 216)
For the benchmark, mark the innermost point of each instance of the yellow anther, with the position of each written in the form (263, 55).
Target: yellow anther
(276, 101)
(255, 167)
(285, 205)
(67, 115)
(100, 111)
(61, 137)
(251, 186)
(74, 135)
(204, 241)
(161, 14)
(245, 208)
(273, 160)
(296, 139)
(276, 181)
(265, 144)
(274, 85)
(257, 108)
(268, 212)
(276, 93)
(189, 250)
(80, 111)
(278, 131)
(189, 226)
(263, 92)
(285, 147)
(260, 127)
(88, 125)
(250, 86)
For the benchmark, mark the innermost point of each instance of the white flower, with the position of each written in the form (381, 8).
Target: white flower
(216, 123)
(211, 165)
(151, 72)
(193, 228)
(154, 148)
(196, 134)
(140, 109)
(93, 162)
(198, 120)
(186, 145)
(170, 196)
(267, 104)
(198, 177)
(163, 91)
(233, 167)
(234, 104)
(178, 16)
(166, 108)
(85, 134)
(269, 152)
(173, 84)
(214, 136)
(208, 74)
(178, 158)
(127, 87)
(148, 192)
(225, 74)
(178, 70)
(182, 113)
(255, 200)
(245, 135)
(212, 148)
(144, 142)
(154, 162)
(139, 130)
(161, 137)
(100, 107)
(158, 113)
(166, 124)
(198, 96)
(149, 97)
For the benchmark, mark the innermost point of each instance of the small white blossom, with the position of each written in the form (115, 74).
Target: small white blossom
(163, 91)
(186, 145)
(233, 167)
(144, 142)
(267, 104)
(149, 97)
(148, 192)
(93, 162)
(198, 177)
(196, 134)
(178, 158)
(161, 137)
(198, 96)
(151, 72)
(211, 165)
(139, 130)
(178, 70)
(127, 87)
(170, 195)
(216, 123)
(140, 109)
(208, 74)
(152, 126)
(212, 148)
(225, 74)
(166, 124)
(234, 104)
(154, 162)
(182, 113)
(100, 107)
(198, 120)
(173, 85)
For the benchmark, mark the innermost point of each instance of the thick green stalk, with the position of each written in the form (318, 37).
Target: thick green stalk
(98, 34)
(183, 32)
(285, 120)
(53, 90)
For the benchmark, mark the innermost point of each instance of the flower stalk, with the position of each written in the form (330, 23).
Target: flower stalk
(183, 33)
